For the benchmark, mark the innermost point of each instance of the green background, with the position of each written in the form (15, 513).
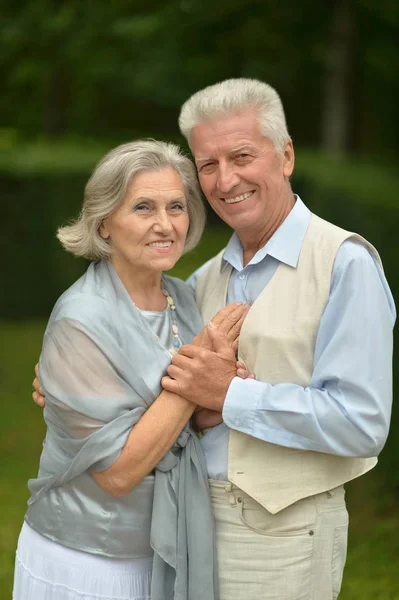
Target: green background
(79, 78)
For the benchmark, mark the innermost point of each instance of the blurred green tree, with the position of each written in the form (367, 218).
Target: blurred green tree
(119, 68)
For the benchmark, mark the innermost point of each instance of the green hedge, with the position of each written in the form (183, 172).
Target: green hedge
(41, 188)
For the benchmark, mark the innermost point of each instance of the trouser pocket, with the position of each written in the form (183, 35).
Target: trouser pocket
(282, 546)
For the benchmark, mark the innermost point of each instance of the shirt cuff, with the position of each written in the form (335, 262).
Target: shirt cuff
(240, 404)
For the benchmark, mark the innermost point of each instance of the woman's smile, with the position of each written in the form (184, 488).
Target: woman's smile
(148, 230)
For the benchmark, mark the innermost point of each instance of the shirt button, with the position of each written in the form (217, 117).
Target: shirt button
(237, 421)
(241, 277)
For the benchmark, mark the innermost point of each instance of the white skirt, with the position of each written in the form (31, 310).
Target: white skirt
(46, 570)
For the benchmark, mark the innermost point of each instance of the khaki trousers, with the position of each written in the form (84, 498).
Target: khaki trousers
(296, 554)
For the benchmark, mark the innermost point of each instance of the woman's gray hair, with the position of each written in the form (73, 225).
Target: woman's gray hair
(236, 95)
(107, 188)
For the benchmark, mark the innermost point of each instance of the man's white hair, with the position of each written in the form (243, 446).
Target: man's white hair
(233, 96)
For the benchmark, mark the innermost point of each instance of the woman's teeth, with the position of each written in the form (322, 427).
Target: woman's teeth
(160, 244)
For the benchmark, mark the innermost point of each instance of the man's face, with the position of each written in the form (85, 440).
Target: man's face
(243, 178)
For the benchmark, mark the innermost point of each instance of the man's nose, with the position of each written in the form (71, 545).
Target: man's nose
(227, 178)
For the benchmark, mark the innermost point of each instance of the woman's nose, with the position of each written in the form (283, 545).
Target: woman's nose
(163, 222)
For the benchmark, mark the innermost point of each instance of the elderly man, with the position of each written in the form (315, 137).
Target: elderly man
(318, 337)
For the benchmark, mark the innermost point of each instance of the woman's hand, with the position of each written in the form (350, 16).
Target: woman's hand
(228, 321)
(205, 418)
(243, 372)
(38, 396)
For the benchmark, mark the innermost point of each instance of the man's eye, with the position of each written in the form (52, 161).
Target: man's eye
(207, 167)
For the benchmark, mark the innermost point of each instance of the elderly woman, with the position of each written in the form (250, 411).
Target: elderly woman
(100, 524)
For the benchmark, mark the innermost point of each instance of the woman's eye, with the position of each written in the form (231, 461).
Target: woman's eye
(178, 207)
(141, 208)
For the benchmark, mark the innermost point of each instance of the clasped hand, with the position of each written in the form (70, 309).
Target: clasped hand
(202, 371)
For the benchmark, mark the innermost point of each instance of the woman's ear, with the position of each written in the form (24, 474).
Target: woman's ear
(103, 231)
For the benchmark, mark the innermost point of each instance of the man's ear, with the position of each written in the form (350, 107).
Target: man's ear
(289, 159)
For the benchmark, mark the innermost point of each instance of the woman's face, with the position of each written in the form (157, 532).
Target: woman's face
(148, 230)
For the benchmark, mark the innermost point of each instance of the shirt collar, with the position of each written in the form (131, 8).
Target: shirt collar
(284, 245)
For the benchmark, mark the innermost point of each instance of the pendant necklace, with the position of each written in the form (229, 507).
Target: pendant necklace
(176, 341)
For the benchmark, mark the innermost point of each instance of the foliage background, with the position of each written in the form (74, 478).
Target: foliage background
(79, 78)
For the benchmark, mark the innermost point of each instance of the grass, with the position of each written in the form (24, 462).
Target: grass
(371, 572)
(21, 432)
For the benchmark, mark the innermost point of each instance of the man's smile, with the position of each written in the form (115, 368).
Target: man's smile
(239, 198)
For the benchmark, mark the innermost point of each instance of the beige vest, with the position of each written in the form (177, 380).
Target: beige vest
(277, 344)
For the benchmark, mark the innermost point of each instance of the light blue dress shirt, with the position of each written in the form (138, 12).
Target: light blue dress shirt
(346, 408)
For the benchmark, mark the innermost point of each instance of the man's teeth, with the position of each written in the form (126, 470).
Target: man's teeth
(238, 198)
(160, 244)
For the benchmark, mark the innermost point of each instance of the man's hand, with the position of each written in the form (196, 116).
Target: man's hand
(205, 418)
(38, 396)
(201, 376)
(228, 321)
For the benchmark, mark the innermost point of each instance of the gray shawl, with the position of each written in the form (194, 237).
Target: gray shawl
(98, 308)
